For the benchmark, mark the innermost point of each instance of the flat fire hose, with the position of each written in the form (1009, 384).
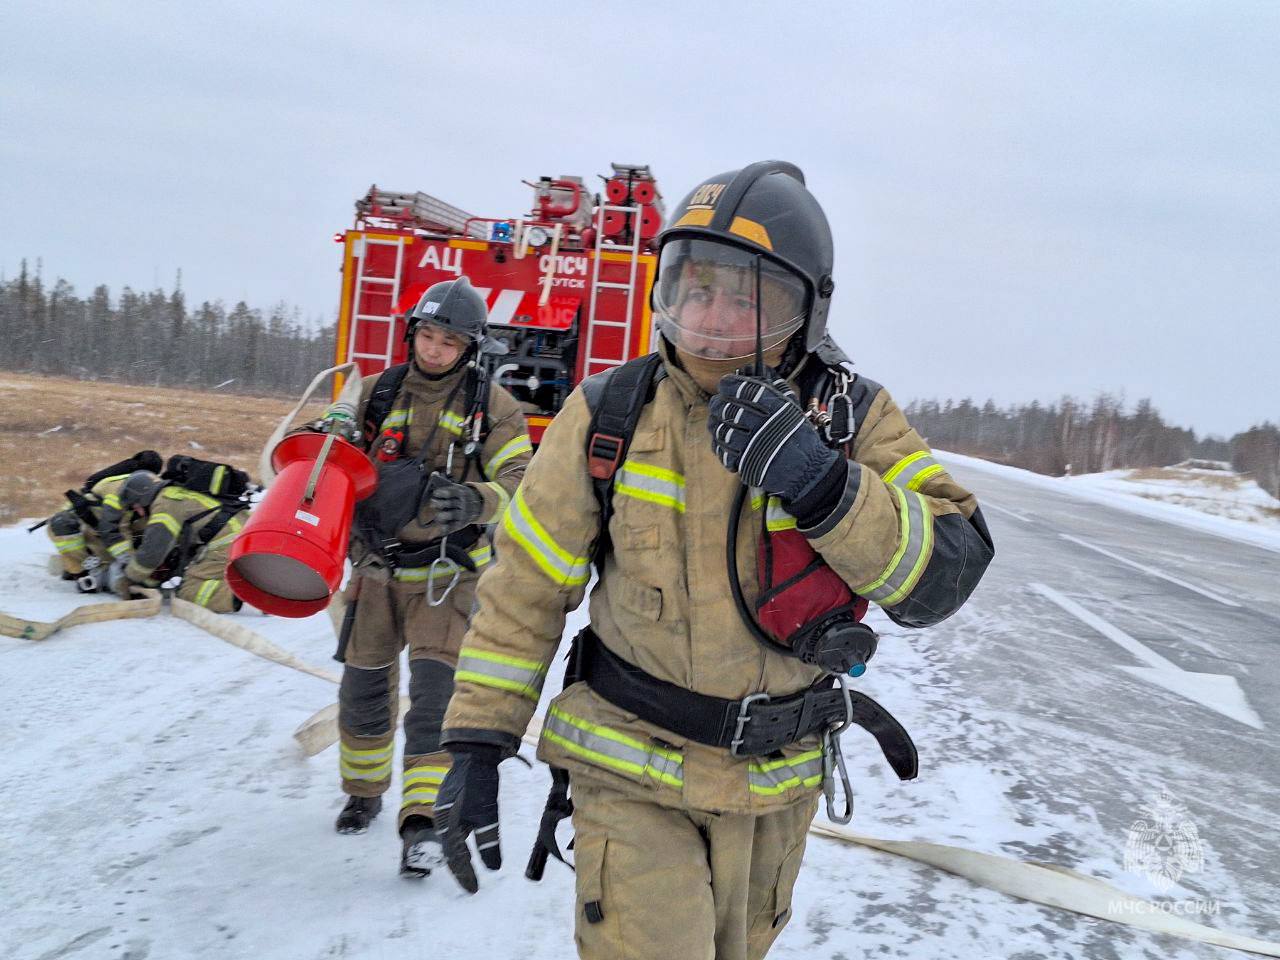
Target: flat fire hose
(151, 604)
(11, 626)
(1045, 884)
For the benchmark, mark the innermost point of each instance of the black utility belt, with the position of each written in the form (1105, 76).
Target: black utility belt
(457, 545)
(756, 725)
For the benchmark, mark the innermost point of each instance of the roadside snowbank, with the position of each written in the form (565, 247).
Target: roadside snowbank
(1237, 514)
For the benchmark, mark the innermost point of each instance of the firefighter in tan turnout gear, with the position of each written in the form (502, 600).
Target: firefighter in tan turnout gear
(94, 535)
(699, 732)
(450, 449)
(189, 531)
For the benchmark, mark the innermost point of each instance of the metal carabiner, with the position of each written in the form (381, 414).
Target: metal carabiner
(833, 760)
(443, 566)
(839, 427)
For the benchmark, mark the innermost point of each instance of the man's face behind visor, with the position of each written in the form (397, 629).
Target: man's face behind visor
(705, 298)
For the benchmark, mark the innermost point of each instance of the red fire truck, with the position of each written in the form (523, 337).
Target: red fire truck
(567, 283)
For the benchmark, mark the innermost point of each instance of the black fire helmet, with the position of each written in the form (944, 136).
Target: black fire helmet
(455, 306)
(766, 209)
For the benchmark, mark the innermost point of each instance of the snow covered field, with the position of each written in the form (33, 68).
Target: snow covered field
(156, 806)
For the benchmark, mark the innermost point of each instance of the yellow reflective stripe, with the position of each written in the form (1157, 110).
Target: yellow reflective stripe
(398, 418)
(924, 476)
(423, 574)
(480, 556)
(613, 749)
(915, 538)
(111, 500)
(166, 521)
(921, 557)
(371, 755)
(502, 672)
(67, 544)
(417, 796)
(643, 481)
(422, 784)
(452, 422)
(206, 592)
(902, 464)
(914, 471)
(371, 764)
(182, 493)
(773, 777)
(504, 499)
(776, 518)
(380, 772)
(508, 451)
(119, 548)
(552, 559)
(219, 474)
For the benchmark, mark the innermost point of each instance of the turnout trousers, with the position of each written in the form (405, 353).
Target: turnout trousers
(388, 618)
(656, 882)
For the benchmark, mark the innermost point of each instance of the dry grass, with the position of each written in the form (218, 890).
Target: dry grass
(55, 431)
(1226, 481)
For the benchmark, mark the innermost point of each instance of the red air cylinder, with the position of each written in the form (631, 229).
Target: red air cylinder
(289, 558)
(643, 191)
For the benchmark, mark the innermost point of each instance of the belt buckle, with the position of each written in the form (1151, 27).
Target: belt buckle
(744, 717)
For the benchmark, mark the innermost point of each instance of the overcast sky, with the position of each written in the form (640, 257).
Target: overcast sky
(1028, 198)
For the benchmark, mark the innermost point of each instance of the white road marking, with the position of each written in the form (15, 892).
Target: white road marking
(1219, 693)
(1150, 570)
(988, 505)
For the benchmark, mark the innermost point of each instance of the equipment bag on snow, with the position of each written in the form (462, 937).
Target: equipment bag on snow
(206, 476)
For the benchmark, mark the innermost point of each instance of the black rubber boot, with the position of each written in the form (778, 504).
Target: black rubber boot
(358, 814)
(420, 850)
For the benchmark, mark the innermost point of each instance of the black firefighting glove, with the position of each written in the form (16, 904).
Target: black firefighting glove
(468, 801)
(759, 431)
(457, 505)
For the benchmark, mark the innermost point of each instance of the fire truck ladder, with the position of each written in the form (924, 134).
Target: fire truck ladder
(366, 280)
(597, 285)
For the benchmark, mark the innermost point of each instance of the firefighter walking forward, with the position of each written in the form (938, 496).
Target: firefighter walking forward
(690, 809)
(433, 417)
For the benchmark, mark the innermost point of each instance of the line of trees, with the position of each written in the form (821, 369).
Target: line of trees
(1075, 437)
(155, 338)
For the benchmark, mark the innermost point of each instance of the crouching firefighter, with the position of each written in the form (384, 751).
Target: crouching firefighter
(194, 508)
(450, 448)
(95, 533)
(739, 522)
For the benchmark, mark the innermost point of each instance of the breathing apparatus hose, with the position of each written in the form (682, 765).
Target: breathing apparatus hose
(735, 582)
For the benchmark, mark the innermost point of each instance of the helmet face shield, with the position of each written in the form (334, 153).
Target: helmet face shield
(705, 299)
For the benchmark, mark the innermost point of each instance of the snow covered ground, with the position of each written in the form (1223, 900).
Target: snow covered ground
(156, 806)
(1213, 501)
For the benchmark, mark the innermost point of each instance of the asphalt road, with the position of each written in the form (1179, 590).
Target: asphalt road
(1091, 734)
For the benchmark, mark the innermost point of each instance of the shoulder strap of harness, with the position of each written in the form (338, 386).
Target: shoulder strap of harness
(616, 399)
(382, 398)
